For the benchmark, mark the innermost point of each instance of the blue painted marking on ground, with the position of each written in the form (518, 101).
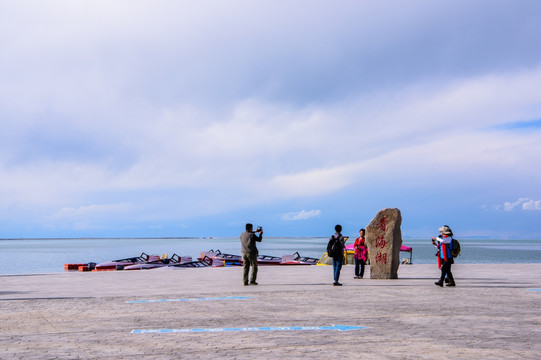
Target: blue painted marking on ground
(534, 289)
(190, 299)
(286, 328)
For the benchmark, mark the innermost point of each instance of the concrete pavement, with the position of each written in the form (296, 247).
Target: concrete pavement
(493, 313)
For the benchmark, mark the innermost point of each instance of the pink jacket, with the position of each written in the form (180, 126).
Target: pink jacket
(361, 250)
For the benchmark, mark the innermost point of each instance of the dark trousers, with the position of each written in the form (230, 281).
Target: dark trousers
(337, 266)
(249, 260)
(446, 271)
(359, 264)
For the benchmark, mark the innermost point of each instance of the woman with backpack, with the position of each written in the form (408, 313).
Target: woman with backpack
(445, 258)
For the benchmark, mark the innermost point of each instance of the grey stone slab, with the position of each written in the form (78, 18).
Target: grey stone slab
(490, 314)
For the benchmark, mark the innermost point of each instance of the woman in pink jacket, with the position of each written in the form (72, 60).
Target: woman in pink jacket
(361, 251)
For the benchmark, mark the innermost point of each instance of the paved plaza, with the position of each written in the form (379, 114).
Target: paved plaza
(294, 313)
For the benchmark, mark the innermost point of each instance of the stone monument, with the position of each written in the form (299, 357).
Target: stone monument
(384, 240)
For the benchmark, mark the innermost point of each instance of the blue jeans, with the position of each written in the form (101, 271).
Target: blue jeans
(336, 267)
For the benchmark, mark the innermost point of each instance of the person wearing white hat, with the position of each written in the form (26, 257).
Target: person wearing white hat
(445, 259)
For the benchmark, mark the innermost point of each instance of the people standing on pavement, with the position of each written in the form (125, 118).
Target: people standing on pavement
(445, 259)
(335, 249)
(361, 252)
(249, 251)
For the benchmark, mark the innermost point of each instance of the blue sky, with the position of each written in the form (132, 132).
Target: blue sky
(175, 118)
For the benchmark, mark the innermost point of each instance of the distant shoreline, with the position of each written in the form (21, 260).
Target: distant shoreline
(233, 236)
(112, 238)
(159, 238)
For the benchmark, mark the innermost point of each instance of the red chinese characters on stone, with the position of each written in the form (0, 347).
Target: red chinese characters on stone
(383, 223)
(380, 242)
(381, 258)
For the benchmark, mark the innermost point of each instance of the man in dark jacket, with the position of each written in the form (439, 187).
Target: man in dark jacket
(249, 252)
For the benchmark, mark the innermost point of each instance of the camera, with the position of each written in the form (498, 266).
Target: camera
(259, 229)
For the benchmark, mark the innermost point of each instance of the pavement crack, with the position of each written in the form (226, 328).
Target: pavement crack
(66, 334)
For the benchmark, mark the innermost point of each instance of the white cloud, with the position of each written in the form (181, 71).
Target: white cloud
(178, 110)
(523, 204)
(532, 205)
(90, 211)
(258, 151)
(301, 215)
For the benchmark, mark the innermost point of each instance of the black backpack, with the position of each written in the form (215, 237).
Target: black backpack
(334, 248)
(455, 248)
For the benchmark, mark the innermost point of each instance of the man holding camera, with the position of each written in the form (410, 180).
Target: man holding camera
(248, 241)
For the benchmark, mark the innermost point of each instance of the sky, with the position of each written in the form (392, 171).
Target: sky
(178, 118)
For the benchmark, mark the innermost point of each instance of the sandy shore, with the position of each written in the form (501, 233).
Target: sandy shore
(493, 313)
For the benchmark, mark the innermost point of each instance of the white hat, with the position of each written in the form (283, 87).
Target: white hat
(446, 230)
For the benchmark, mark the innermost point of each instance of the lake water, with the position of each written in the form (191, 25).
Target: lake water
(39, 256)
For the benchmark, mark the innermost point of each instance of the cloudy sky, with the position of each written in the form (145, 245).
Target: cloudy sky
(181, 118)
